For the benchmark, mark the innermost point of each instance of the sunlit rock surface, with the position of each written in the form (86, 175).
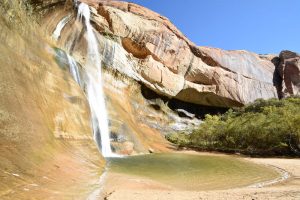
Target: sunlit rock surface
(137, 123)
(149, 48)
(46, 147)
(150, 51)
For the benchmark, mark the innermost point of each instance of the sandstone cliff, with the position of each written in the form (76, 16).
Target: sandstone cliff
(46, 146)
(148, 48)
(45, 124)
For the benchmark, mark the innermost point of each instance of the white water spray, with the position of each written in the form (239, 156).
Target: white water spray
(94, 85)
(59, 27)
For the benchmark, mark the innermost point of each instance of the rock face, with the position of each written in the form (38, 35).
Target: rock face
(289, 74)
(149, 48)
(130, 118)
(46, 147)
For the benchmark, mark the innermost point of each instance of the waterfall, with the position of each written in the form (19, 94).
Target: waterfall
(95, 92)
(74, 69)
(59, 27)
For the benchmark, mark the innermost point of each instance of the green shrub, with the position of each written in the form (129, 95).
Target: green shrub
(266, 127)
(180, 139)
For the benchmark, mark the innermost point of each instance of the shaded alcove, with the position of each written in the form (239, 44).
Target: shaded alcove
(199, 111)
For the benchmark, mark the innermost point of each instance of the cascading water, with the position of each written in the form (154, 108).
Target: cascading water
(60, 26)
(92, 80)
(74, 69)
(95, 92)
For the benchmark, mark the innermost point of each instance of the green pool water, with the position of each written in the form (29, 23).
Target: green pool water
(193, 172)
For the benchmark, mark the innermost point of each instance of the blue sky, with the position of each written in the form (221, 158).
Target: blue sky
(261, 26)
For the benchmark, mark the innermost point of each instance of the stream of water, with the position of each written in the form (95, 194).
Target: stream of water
(95, 92)
(92, 80)
(59, 27)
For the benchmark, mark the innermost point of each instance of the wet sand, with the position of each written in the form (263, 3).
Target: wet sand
(126, 187)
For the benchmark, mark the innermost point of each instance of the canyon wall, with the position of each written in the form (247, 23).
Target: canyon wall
(148, 48)
(158, 55)
(149, 52)
(156, 82)
(46, 149)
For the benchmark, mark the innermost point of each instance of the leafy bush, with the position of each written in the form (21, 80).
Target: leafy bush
(265, 127)
(178, 138)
